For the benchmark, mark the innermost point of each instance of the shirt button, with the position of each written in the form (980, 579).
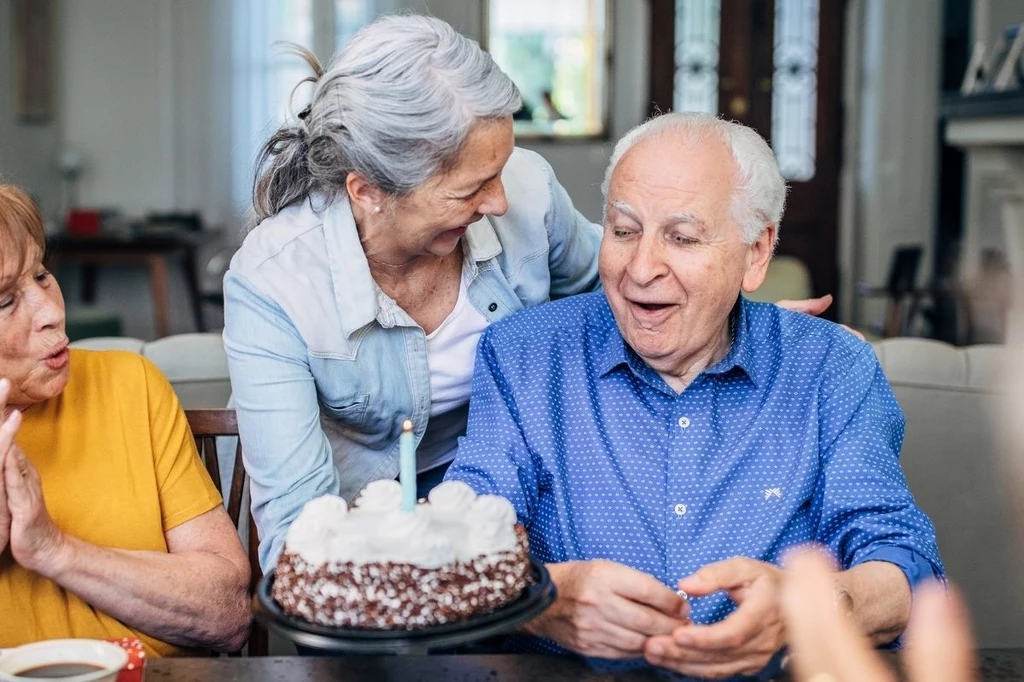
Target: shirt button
(492, 307)
(680, 509)
(684, 422)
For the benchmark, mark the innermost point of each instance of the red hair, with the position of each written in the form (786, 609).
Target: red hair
(21, 231)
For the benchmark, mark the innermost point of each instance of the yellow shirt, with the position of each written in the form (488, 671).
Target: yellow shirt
(119, 468)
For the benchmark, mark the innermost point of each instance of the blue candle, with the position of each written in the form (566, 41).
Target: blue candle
(407, 472)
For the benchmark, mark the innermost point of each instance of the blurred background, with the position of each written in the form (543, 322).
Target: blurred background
(138, 120)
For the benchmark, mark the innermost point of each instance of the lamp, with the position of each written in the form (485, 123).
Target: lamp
(71, 163)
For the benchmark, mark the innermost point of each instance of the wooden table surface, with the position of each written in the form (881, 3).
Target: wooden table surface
(996, 665)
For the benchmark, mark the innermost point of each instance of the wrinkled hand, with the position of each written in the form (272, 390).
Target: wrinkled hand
(35, 539)
(745, 641)
(8, 428)
(815, 306)
(608, 610)
(810, 306)
(824, 642)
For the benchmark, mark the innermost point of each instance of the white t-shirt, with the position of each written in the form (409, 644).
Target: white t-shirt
(451, 350)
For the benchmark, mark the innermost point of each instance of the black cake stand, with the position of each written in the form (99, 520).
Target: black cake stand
(530, 604)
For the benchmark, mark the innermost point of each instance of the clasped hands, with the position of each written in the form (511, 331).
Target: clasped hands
(25, 524)
(608, 610)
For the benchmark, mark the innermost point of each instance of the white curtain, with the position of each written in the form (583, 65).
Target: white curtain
(262, 79)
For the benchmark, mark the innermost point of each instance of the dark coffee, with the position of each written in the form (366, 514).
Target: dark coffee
(55, 671)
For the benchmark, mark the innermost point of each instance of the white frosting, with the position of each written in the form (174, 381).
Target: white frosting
(451, 499)
(380, 496)
(455, 525)
(396, 530)
(491, 526)
(316, 527)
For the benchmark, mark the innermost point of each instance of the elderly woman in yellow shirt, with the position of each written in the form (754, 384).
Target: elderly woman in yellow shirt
(109, 524)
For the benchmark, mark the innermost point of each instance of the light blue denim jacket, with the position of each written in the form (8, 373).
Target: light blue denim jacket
(325, 367)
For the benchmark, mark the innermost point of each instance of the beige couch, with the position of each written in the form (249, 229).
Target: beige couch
(195, 364)
(951, 397)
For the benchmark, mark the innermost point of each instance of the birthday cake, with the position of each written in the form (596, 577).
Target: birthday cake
(375, 566)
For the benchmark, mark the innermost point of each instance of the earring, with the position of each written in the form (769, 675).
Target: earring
(376, 209)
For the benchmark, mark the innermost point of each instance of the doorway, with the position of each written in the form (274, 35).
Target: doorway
(774, 65)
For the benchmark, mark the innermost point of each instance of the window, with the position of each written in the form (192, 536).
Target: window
(794, 82)
(349, 17)
(795, 87)
(696, 76)
(558, 54)
(263, 75)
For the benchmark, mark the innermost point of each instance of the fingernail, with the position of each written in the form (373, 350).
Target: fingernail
(656, 650)
(683, 640)
(4, 385)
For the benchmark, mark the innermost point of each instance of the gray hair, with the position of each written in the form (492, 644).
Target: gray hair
(760, 195)
(394, 106)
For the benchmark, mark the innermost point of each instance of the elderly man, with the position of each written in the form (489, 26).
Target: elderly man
(667, 431)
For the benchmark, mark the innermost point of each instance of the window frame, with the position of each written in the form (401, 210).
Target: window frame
(606, 101)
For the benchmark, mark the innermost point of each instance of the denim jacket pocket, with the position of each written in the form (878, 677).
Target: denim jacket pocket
(349, 413)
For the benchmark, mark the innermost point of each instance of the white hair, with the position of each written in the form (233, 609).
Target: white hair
(394, 106)
(760, 195)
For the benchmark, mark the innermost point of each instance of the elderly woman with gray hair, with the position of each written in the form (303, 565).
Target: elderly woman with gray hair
(398, 220)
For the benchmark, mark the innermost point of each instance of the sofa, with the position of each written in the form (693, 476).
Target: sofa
(950, 455)
(952, 398)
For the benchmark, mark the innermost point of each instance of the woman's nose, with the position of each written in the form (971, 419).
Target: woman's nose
(494, 202)
(49, 311)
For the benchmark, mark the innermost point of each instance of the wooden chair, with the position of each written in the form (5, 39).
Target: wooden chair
(207, 425)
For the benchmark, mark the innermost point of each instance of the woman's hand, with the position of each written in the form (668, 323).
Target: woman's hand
(815, 306)
(825, 644)
(35, 540)
(8, 428)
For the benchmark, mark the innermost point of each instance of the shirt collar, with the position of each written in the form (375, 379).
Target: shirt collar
(355, 292)
(356, 295)
(740, 354)
(614, 352)
(482, 241)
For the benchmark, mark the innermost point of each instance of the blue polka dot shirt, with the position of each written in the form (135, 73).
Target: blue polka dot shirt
(793, 437)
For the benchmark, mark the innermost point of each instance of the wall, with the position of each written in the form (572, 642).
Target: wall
(114, 102)
(892, 144)
(990, 17)
(28, 151)
(143, 100)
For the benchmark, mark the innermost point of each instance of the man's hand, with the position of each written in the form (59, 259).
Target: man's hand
(815, 306)
(608, 610)
(8, 428)
(35, 540)
(743, 643)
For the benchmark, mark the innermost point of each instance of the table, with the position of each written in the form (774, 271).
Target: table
(150, 250)
(998, 665)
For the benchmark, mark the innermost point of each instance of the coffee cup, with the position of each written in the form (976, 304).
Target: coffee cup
(69, 660)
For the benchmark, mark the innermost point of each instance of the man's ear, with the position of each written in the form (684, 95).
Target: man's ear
(759, 255)
(364, 194)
